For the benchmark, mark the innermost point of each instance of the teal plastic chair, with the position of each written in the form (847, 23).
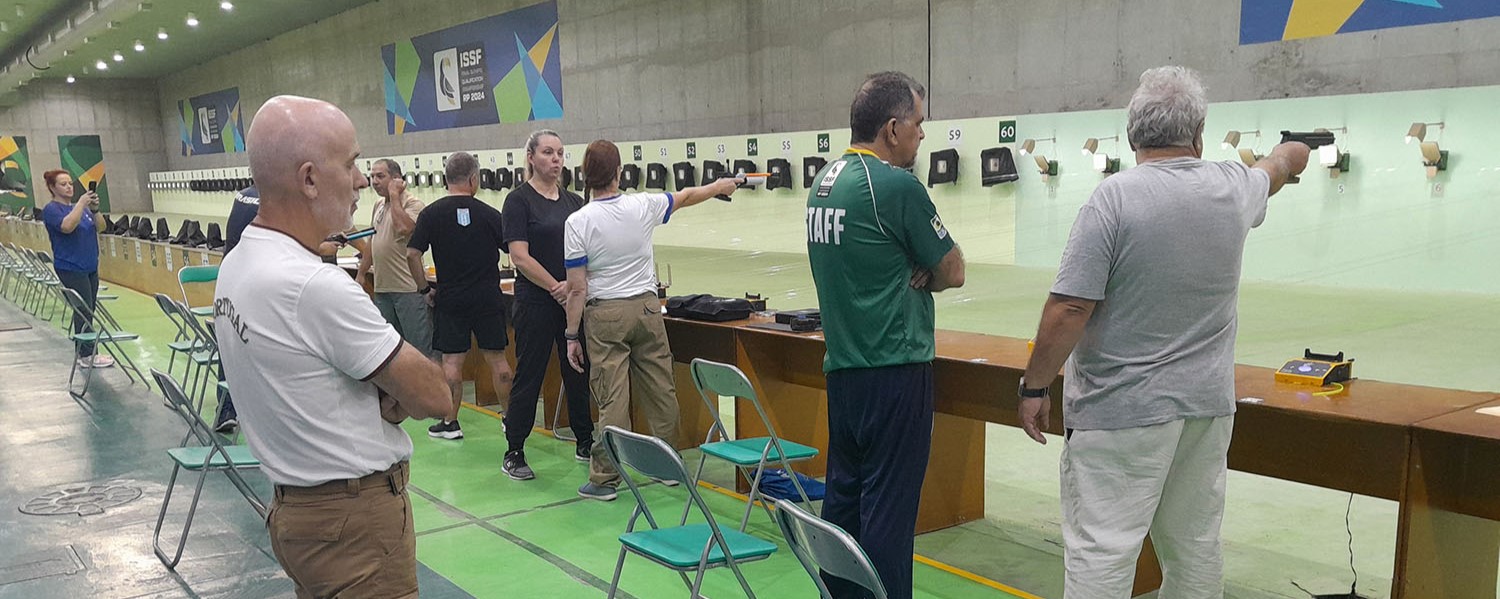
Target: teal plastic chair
(204, 358)
(749, 456)
(686, 547)
(105, 336)
(823, 547)
(209, 455)
(190, 275)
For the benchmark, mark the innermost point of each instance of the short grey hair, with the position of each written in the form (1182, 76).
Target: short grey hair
(1168, 109)
(461, 166)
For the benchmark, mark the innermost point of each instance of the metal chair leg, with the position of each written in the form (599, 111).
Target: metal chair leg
(192, 510)
(614, 583)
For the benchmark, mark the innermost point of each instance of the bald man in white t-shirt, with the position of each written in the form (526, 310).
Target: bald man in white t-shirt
(320, 380)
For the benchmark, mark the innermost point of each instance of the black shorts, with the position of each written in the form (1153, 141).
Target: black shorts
(451, 332)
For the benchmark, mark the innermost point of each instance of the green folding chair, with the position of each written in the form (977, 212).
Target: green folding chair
(103, 336)
(190, 275)
(205, 359)
(686, 547)
(749, 456)
(209, 455)
(823, 547)
(185, 342)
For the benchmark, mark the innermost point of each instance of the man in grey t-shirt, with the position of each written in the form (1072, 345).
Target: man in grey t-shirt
(1145, 303)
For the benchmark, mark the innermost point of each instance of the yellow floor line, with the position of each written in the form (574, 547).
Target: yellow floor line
(954, 570)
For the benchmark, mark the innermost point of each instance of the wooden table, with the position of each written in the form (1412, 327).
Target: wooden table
(1449, 528)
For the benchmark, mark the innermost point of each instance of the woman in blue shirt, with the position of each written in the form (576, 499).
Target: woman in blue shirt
(72, 228)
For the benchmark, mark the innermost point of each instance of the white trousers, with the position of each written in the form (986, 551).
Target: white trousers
(1166, 479)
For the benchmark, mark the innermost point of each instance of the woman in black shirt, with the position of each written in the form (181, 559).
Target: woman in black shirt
(533, 217)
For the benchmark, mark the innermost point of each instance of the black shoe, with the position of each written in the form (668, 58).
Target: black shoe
(227, 426)
(584, 452)
(515, 466)
(445, 430)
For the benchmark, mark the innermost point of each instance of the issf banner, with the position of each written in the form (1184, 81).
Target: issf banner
(83, 158)
(500, 69)
(211, 123)
(15, 175)
(1276, 20)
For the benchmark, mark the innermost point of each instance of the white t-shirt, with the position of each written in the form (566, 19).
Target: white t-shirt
(612, 237)
(299, 341)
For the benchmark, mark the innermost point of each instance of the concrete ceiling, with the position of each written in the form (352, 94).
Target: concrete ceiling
(70, 37)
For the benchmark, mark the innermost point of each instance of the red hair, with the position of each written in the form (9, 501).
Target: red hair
(51, 176)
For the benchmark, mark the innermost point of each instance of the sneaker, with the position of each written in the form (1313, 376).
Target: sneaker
(227, 426)
(445, 430)
(590, 490)
(583, 453)
(515, 466)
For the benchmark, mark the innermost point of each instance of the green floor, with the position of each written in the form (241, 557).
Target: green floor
(481, 530)
(486, 534)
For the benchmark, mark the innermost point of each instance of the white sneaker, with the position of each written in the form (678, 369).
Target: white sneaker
(96, 361)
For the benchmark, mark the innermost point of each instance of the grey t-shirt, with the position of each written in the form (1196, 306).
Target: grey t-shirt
(1159, 246)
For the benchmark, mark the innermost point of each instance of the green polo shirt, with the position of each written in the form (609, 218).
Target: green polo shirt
(868, 225)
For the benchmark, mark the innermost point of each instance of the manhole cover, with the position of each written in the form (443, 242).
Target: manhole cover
(82, 499)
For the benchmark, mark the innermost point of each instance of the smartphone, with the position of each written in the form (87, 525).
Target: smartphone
(93, 185)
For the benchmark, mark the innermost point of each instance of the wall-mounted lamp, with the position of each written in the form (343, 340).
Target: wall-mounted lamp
(1029, 146)
(1232, 139)
(1418, 131)
(1091, 145)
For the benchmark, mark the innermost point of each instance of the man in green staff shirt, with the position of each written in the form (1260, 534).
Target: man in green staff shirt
(878, 251)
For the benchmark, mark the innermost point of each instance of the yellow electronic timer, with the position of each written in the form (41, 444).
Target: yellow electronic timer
(1316, 369)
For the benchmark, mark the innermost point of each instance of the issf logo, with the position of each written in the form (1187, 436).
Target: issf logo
(445, 79)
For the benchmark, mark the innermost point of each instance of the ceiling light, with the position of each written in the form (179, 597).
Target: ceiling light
(161, 34)
(1418, 131)
(119, 57)
(101, 66)
(226, 5)
(139, 47)
(71, 79)
(192, 20)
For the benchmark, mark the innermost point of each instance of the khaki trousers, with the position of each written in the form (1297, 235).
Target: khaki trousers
(347, 538)
(628, 351)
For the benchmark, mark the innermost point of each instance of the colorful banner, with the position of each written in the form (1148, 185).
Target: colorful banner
(211, 123)
(83, 158)
(1274, 20)
(501, 69)
(16, 192)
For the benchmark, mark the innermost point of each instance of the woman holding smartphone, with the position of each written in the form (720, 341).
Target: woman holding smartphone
(72, 228)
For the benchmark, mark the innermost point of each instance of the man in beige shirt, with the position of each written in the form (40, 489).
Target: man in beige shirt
(398, 295)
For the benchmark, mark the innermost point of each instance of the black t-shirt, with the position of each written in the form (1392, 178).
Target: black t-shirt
(464, 234)
(246, 207)
(538, 221)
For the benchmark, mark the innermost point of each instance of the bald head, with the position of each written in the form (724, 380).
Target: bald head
(302, 154)
(290, 132)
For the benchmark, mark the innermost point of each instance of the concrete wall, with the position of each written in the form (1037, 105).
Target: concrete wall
(123, 113)
(656, 69)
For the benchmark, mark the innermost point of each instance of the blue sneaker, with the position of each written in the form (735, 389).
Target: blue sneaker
(590, 490)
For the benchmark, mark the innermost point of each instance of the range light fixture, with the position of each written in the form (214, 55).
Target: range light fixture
(1418, 131)
(1434, 158)
(71, 79)
(119, 57)
(161, 34)
(192, 20)
(226, 5)
(1232, 139)
(1249, 157)
(139, 46)
(101, 65)
(1091, 145)
(1029, 146)
(1047, 168)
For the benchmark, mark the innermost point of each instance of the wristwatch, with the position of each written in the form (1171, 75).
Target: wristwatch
(1026, 393)
(570, 336)
(424, 290)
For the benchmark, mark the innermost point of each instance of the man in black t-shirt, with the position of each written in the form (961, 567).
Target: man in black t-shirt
(465, 237)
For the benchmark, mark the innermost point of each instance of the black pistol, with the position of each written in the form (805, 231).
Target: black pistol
(1313, 140)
